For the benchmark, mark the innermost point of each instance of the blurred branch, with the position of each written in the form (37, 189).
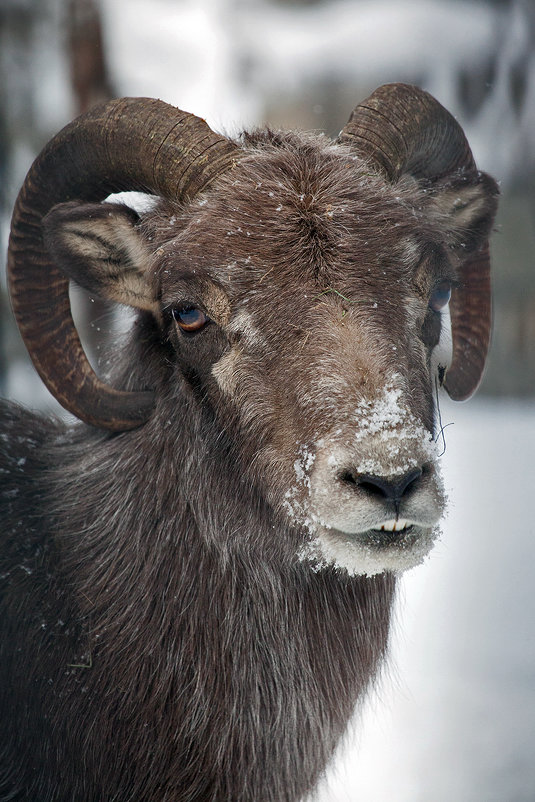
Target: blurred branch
(91, 84)
(89, 73)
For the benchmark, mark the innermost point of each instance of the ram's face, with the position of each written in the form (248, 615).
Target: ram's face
(303, 298)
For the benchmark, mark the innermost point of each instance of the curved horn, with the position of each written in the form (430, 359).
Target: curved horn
(124, 145)
(403, 129)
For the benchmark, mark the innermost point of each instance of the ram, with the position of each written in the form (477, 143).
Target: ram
(197, 579)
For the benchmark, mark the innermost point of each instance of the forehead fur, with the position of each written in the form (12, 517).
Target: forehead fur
(301, 201)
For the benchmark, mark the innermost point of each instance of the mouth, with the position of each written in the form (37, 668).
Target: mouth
(390, 545)
(393, 525)
(390, 533)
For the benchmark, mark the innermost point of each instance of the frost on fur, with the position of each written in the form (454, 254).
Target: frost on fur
(387, 441)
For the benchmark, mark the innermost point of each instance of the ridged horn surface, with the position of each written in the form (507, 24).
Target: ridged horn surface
(471, 315)
(403, 130)
(124, 145)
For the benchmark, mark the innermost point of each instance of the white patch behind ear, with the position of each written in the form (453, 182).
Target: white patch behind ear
(140, 202)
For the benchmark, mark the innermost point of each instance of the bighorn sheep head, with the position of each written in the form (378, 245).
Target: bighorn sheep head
(295, 283)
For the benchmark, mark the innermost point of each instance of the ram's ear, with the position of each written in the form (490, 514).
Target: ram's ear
(99, 247)
(467, 205)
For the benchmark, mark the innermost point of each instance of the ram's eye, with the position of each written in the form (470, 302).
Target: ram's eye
(190, 318)
(440, 296)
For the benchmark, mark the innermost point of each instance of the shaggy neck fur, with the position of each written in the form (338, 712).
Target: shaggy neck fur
(208, 673)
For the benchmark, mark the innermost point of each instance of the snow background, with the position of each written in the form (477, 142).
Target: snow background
(453, 717)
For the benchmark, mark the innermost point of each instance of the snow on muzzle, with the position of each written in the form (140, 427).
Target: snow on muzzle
(373, 498)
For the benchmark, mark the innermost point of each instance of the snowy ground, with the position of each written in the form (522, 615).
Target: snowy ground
(454, 717)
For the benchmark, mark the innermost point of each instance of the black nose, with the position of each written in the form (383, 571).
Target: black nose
(392, 488)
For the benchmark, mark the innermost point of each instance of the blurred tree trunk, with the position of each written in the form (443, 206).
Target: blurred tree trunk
(91, 84)
(89, 73)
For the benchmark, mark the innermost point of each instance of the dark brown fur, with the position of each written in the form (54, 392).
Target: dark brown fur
(160, 639)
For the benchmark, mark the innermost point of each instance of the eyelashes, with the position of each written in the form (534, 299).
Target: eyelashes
(190, 318)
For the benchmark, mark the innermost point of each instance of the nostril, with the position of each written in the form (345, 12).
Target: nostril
(348, 478)
(374, 486)
(406, 484)
(393, 488)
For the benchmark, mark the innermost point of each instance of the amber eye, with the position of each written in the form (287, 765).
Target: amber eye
(440, 296)
(190, 318)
